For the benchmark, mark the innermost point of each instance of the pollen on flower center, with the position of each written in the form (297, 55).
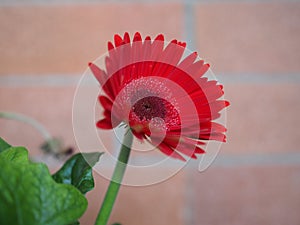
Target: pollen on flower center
(147, 98)
(150, 107)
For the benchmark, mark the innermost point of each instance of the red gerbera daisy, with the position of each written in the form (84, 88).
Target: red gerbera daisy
(162, 95)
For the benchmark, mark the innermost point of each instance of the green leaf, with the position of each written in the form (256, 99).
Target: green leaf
(78, 171)
(15, 155)
(29, 195)
(3, 145)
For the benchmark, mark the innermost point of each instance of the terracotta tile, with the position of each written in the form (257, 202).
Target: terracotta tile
(64, 38)
(45, 105)
(257, 117)
(158, 204)
(251, 37)
(52, 107)
(262, 118)
(246, 196)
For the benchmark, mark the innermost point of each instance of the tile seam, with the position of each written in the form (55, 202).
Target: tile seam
(189, 36)
(242, 160)
(74, 2)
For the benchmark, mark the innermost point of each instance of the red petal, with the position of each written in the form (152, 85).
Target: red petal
(105, 102)
(199, 150)
(104, 124)
(211, 127)
(170, 152)
(186, 151)
(157, 48)
(137, 37)
(203, 69)
(126, 38)
(174, 41)
(188, 61)
(107, 114)
(118, 40)
(182, 44)
(213, 136)
(189, 147)
(159, 37)
(195, 69)
(217, 106)
(110, 46)
(100, 75)
(172, 53)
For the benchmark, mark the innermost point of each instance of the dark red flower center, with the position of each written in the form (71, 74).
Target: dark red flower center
(150, 107)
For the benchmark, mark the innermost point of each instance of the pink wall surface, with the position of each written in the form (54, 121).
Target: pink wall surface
(254, 50)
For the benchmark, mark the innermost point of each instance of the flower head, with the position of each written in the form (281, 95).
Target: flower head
(163, 96)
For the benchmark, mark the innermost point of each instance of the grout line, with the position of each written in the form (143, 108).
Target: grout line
(188, 214)
(232, 160)
(73, 2)
(189, 25)
(189, 196)
(239, 1)
(255, 159)
(53, 80)
(258, 78)
(62, 80)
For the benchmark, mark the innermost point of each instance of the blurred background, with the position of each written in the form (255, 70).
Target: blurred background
(253, 47)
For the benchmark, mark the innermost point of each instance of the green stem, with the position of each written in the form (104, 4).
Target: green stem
(115, 183)
(25, 119)
(32, 122)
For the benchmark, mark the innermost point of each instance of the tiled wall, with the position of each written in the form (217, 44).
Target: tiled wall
(253, 47)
